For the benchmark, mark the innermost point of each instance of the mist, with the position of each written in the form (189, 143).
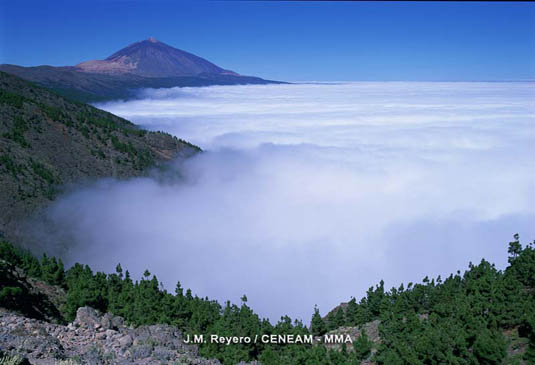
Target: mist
(311, 193)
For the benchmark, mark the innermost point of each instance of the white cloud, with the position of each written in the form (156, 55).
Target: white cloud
(312, 193)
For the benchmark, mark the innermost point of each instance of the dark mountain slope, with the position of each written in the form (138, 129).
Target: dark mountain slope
(47, 141)
(81, 86)
(144, 64)
(94, 87)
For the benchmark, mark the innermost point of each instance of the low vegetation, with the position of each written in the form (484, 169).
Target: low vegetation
(484, 315)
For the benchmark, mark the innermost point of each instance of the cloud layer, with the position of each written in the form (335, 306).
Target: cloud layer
(309, 194)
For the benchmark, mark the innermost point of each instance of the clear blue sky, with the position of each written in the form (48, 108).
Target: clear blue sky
(287, 40)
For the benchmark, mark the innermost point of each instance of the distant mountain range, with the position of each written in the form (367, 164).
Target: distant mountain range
(144, 64)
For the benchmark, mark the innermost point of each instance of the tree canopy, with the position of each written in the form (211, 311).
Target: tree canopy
(469, 318)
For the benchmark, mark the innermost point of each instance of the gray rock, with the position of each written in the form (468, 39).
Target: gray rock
(106, 322)
(86, 317)
(46, 343)
(141, 351)
(162, 353)
(125, 341)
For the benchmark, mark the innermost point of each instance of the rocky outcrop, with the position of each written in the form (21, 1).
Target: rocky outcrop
(371, 329)
(93, 338)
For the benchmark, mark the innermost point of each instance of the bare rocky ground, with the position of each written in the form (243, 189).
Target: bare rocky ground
(371, 329)
(93, 338)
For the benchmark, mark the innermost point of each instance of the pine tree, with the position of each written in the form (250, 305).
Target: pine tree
(317, 325)
(489, 347)
(515, 248)
(339, 318)
(351, 313)
(362, 346)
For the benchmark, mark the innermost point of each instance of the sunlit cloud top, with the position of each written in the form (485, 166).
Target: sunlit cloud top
(309, 194)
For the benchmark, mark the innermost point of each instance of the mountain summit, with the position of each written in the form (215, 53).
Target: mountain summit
(152, 58)
(144, 64)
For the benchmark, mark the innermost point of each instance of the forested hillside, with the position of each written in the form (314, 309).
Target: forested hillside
(47, 141)
(482, 316)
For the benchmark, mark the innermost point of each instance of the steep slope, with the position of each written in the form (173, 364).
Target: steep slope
(153, 58)
(144, 64)
(47, 141)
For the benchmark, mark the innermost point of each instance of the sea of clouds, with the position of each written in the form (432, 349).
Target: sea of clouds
(311, 193)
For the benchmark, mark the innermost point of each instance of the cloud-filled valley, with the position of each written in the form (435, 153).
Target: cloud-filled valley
(311, 193)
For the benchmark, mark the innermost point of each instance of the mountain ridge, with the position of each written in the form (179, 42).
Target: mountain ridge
(152, 58)
(47, 141)
(145, 64)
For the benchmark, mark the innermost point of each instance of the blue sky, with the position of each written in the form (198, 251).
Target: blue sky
(287, 40)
